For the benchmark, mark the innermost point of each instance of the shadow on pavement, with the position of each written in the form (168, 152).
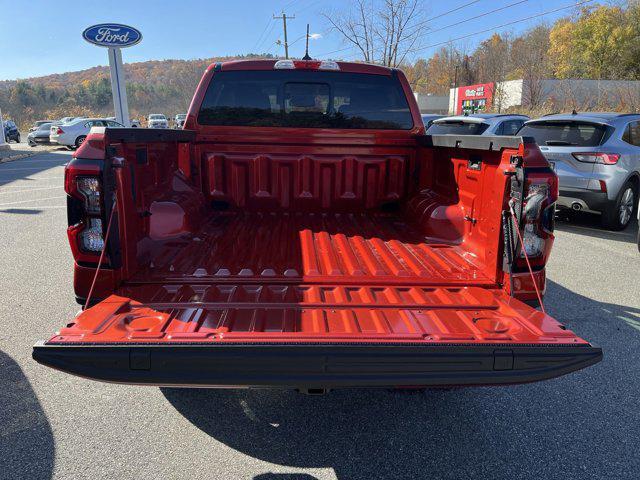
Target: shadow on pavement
(572, 427)
(27, 447)
(24, 168)
(582, 313)
(21, 211)
(583, 223)
(284, 476)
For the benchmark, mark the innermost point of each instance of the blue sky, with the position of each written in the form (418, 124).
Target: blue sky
(44, 37)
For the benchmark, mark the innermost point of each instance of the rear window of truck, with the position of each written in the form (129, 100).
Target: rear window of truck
(303, 98)
(575, 134)
(458, 128)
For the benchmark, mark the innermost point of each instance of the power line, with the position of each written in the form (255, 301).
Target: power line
(440, 15)
(444, 14)
(548, 12)
(289, 4)
(475, 17)
(255, 46)
(273, 25)
(312, 4)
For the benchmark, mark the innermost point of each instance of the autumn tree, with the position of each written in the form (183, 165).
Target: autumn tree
(530, 61)
(442, 69)
(492, 61)
(593, 45)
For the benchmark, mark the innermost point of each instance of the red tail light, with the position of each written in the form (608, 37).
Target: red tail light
(538, 213)
(85, 210)
(59, 131)
(597, 157)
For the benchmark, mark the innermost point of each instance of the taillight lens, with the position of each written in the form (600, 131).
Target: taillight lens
(84, 186)
(538, 212)
(91, 238)
(90, 189)
(597, 157)
(59, 131)
(534, 206)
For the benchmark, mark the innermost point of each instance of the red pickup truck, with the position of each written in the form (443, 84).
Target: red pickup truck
(303, 232)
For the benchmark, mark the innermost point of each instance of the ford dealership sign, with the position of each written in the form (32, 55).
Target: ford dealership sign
(112, 35)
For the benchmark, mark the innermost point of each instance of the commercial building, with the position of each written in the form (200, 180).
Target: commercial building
(556, 95)
(432, 103)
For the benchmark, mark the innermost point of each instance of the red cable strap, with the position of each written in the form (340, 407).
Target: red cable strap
(104, 249)
(526, 257)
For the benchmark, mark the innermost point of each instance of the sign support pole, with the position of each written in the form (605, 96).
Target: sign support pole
(118, 87)
(2, 139)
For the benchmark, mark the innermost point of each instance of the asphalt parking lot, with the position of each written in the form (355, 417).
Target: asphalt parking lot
(52, 425)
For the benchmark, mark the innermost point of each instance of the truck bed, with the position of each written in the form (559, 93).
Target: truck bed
(257, 277)
(357, 248)
(303, 232)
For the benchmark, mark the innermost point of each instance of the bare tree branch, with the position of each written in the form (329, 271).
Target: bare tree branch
(383, 32)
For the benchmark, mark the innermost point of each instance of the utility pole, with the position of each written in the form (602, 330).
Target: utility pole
(284, 24)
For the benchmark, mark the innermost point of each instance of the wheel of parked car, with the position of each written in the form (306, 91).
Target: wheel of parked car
(80, 140)
(18, 139)
(619, 216)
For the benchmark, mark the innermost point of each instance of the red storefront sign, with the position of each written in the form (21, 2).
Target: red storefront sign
(474, 98)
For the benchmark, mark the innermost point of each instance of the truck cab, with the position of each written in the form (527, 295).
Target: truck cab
(303, 231)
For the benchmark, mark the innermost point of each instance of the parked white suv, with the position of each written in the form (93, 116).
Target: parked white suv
(179, 119)
(157, 120)
(73, 133)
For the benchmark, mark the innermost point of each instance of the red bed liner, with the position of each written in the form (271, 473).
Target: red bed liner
(359, 248)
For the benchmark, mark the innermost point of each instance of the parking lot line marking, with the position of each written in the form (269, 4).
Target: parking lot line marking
(28, 190)
(24, 168)
(31, 201)
(632, 323)
(31, 160)
(33, 178)
(47, 207)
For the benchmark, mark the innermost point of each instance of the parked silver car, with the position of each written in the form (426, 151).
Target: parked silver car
(477, 124)
(74, 133)
(597, 159)
(40, 135)
(428, 118)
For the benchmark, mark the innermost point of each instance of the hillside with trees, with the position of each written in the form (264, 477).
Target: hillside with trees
(595, 42)
(164, 86)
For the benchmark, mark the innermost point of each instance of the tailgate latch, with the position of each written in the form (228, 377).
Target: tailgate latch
(140, 359)
(503, 359)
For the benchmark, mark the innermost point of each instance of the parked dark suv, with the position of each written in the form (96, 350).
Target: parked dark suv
(11, 131)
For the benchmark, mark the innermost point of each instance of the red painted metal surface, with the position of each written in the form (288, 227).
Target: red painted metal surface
(322, 247)
(293, 234)
(299, 182)
(311, 313)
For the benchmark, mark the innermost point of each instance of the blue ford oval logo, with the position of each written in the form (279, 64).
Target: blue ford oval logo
(112, 35)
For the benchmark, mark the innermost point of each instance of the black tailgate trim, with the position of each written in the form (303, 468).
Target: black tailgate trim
(316, 365)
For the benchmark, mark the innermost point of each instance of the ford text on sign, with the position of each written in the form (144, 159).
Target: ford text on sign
(112, 35)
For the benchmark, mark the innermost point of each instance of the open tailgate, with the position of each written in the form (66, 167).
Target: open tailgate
(314, 336)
